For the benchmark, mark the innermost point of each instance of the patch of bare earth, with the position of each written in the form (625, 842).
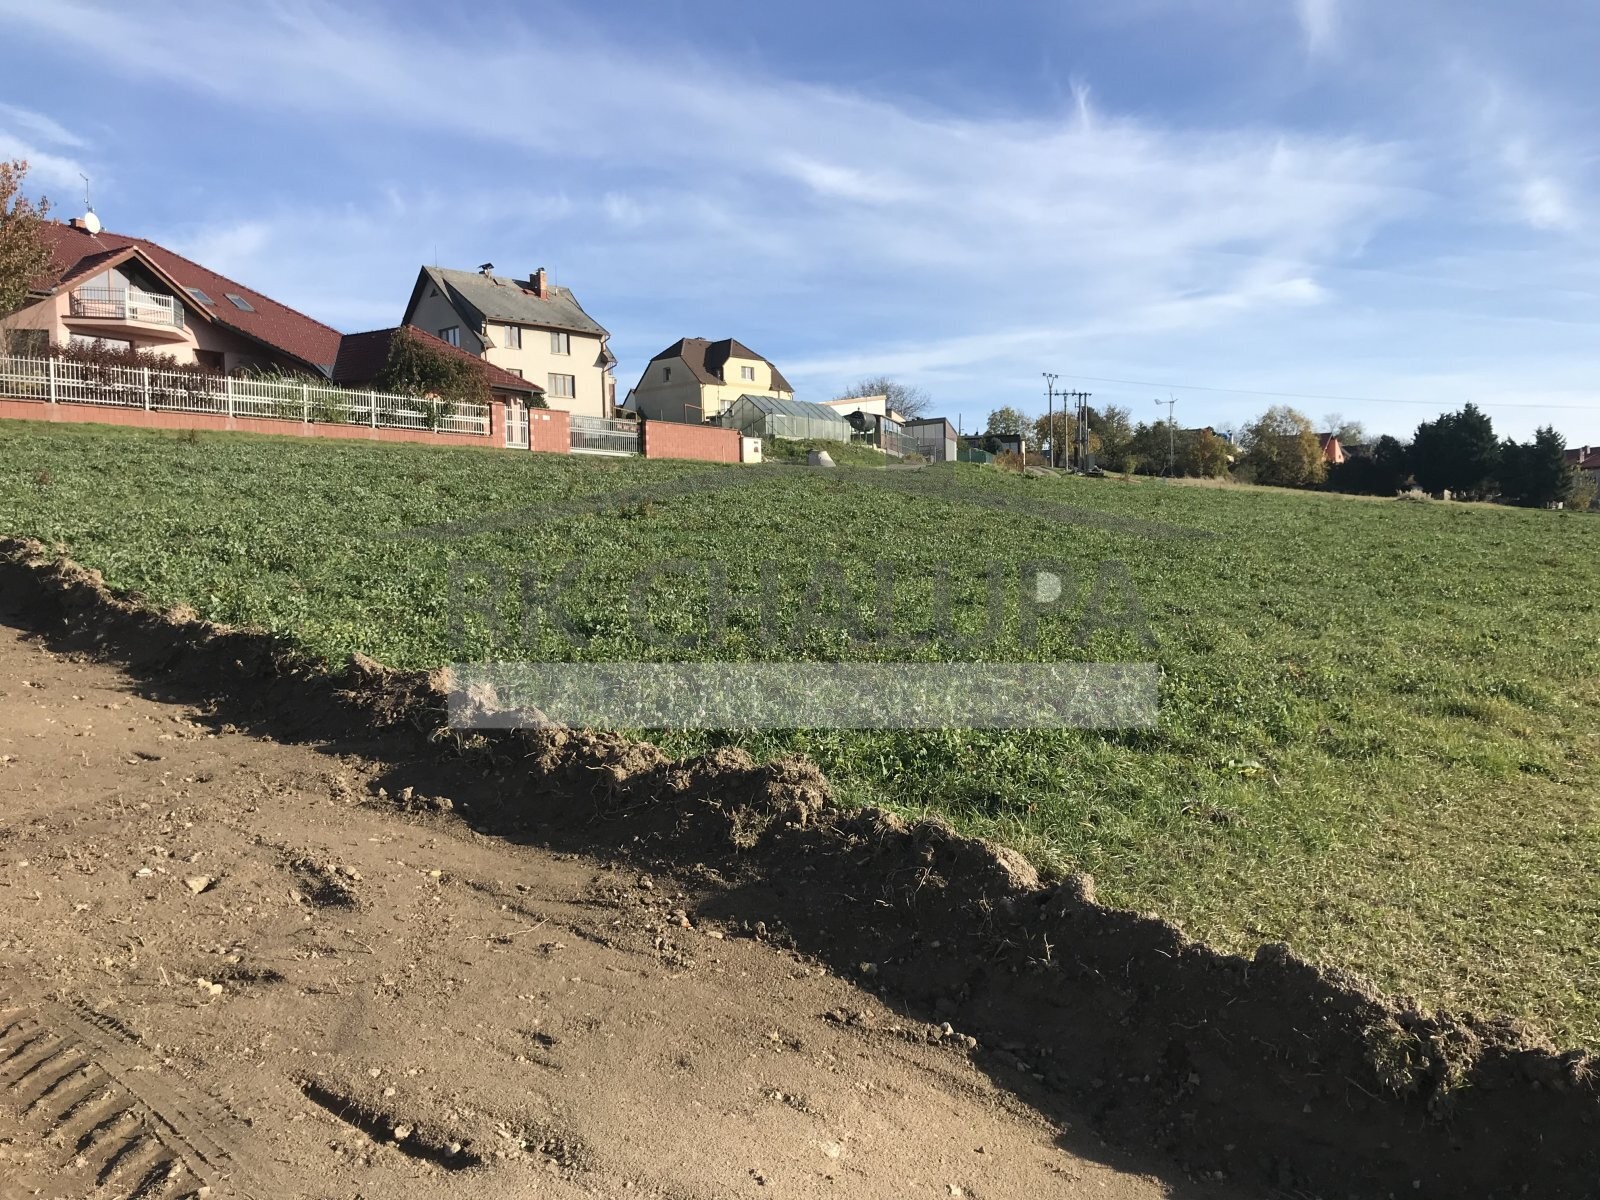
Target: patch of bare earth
(228, 963)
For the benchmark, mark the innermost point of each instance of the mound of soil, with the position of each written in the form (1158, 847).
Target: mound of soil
(1263, 1069)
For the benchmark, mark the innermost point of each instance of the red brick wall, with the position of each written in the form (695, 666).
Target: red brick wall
(548, 431)
(33, 410)
(668, 439)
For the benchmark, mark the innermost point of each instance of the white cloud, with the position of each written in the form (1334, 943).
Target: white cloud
(46, 129)
(1319, 25)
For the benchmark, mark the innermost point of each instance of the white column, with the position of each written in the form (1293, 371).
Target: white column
(372, 408)
(305, 403)
(52, 369)
(146, 389)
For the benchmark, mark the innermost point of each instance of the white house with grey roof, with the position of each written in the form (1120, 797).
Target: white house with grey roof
(531, 327)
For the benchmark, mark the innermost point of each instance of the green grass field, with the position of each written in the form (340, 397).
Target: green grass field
(1377, 717)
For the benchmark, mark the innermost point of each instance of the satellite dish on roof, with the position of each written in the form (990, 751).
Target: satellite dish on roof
(91, 222)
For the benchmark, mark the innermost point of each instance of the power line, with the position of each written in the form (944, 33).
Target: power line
(1200, 387)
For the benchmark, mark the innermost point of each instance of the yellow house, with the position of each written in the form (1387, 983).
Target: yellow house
(530, 327)
(694, 380)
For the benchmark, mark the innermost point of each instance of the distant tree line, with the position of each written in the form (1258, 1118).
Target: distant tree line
(1457, 453)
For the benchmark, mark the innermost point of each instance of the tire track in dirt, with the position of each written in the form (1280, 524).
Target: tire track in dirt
(84, 1108)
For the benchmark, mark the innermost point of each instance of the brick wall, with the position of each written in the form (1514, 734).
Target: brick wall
(547, 431)
(668, 439)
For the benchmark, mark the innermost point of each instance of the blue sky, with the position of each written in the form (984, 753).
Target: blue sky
(1383, 204)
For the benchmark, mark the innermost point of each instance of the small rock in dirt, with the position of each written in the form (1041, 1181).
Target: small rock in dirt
(869, 968)
(402, 1132)
(647, 883)
(406, 794)
(199, 883)
(714, 933)
(143, 873)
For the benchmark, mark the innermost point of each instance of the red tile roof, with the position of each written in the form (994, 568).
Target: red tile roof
(362, 357)
(1584, 458)
(76, 253)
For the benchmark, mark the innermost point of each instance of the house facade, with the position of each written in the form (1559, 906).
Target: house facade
(528, 327)
(132, 293)
(695, 380)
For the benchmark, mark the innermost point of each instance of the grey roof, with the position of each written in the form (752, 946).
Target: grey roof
(496, 298)
(777, 405)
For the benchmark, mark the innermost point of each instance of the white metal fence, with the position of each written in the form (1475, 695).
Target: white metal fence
(603, 435)
(58, 381)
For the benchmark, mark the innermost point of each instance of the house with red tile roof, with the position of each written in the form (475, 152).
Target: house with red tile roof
(132, 293)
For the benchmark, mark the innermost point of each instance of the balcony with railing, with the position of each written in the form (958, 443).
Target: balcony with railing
(116, 306)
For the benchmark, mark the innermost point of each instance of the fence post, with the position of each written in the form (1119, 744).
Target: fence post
(52, 363)
(227, 387)
(305, 403)
(147, 389)
(372, 407)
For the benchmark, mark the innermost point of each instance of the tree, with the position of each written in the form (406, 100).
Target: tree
(1152, 447)
(417, 369)
(1381, 473)
(1536, 474)
(1349, 433)
(24, 255)
(1114, 427)
(1458, 453)
(1061, 437)
(1281, 449)
(1007, 420)
(1205, 455)
(907, 399)
(1581, 495)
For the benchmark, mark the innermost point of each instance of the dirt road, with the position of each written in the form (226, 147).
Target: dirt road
(227, 962)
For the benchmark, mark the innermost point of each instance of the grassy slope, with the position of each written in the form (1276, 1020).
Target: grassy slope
(1376, 715)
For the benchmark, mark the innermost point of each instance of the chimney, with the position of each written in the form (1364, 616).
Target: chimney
(77, 223)
(540, 284)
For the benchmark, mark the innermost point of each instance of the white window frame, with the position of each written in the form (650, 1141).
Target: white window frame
(450, 335)
(570, 383)
(513, 337)
(747, 373)
(560, 343)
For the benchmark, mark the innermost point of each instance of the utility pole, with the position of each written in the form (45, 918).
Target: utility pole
(1050, 378)
(1081, 427)
(1172, 434)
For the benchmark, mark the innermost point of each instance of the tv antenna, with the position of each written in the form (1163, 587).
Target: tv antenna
(90, 221)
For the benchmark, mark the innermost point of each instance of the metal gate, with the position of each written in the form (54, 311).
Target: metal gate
(603, 435)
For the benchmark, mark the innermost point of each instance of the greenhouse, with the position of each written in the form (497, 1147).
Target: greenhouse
(769, 416)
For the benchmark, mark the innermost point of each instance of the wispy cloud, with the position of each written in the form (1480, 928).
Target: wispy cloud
(839, 231)
(1319, 25)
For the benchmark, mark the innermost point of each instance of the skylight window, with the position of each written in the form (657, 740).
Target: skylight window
(239, 302)
(200, 296)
